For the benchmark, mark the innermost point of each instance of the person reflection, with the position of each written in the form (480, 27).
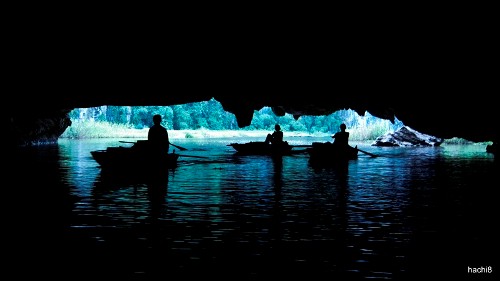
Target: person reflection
(277, 172)
(157, 186)
(276, 229)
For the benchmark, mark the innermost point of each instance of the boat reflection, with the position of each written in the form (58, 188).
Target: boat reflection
(151, 187)
(110, 177)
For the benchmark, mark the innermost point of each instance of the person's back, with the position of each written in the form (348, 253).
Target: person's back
(158, 136)
(341, 138)
(276, 137)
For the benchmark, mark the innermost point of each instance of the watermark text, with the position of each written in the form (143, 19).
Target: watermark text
(481, 269)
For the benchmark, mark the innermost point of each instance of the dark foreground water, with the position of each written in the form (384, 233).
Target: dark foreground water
(411, 213)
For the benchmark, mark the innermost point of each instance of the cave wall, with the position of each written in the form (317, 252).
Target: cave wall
(436, 74)
(470, 118)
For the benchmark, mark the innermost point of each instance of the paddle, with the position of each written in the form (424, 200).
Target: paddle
(299, 151)
(366, 152)
(179, 147)
(193, 156)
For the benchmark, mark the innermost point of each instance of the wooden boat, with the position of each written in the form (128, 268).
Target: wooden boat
(263, 148)
(326, 153)
(136, 157)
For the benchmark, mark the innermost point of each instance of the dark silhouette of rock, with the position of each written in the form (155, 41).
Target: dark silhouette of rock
(492, 148)
(40, 118)
(405, 136)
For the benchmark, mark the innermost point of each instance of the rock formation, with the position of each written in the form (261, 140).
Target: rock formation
(406, 136)
(435, 79)
(44, 118)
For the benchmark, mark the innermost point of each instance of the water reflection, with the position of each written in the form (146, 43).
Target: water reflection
(394, 216)
(140, 186)
(39, 203)
(277, 173)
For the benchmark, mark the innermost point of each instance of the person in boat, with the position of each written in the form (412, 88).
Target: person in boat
(276, 137)
(341, 138)
(158, 136)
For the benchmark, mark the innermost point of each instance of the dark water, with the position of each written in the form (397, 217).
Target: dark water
(411, 213)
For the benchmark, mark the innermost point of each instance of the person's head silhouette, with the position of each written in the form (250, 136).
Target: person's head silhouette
(342, 127)
(277, 127)
(157, 119)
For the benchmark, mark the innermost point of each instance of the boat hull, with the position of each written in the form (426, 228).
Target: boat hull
(329, 154)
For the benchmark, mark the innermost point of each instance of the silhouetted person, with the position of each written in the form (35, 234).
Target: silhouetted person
(158, 136)
(341, 138)
(276, 137)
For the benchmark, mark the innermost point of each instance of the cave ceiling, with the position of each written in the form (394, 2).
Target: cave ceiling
(438, 84)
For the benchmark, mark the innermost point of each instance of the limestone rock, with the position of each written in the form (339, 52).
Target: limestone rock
(406, 136)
